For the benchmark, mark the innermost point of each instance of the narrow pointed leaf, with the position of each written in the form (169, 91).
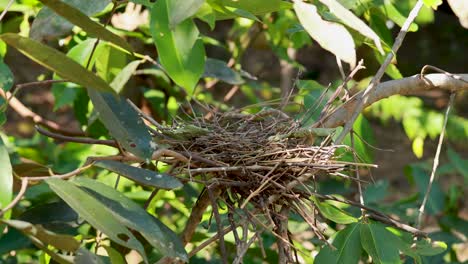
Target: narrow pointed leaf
(63, 242)
(122, 78)
(334, 213)
(123, 123)
(55, 61)
(180, 49)
(95, 213)
(258, 7)
(331, 36)
(76, 17)
(132, 215)
(6, 179)
(352, 21)
(48, 25)
(142, 176)
(179, 10)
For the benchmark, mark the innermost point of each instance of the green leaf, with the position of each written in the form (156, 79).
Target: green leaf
(207, 14)
(376, 192)
(132, 215)
(95, 213)
(432, 3)
(6, 179)
(122, 78)
(179, 10)
(123, 123)
(109, 62)
(393, 14)
(147, 3)
(180, 50)
(83, 256)
(48, 25)
(418, 147)
(426, 247)
(6, 77)
(460, 164)
(218, 69)
(374, 240)
(258, 7)
(436, 200)
(352, 21)
(63, 242)
(114, 255)
(334, 213)
(340, 43)
(55, 61)
(348, 247)
(82, 20)
(142, 176)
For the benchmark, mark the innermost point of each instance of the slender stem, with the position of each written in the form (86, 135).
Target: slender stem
(375, 81)
(436, 163)
(7, 7)
(92, 141)
(22, 191)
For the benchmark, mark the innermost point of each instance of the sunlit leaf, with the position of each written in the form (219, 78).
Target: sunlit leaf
(48, 25)
(426, 247)
(122, 78)
(352, 21)
(348, 247)
(218, 69)
(331, 36)
(180, 50)
(132, 215)
(55, 61)
(142, 176)
(460, 8)
(258, 7)
(6, 179)
(95, 213)
(334, 213)
(432, 3)
(123, 123)
(418, 147)
(393, 14)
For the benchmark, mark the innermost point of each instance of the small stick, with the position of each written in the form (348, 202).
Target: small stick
(93, 141)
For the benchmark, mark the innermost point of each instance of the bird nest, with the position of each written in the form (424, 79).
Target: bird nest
(259, 163)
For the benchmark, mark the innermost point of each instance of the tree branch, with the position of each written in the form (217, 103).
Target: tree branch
(403, 86)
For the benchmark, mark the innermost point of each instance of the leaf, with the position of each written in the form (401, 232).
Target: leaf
(352, 21)
(460, 164)
(6, 179)
(460, 8)
(432, 3)
(374, 240)
(376, 192)
(95, 213)
(258, 7)
(393, 14)
(114, 255)
(142, 176)
(109, 62)
(331, 36)
(84, 256)
(180, 50)
(132, 215)
(207, 14)
(122, 78)
(147, 3)
(426, 247)
(83, 21)
(418, 147)
(218, 69)
(334, 213)
(6, 77)
(48, 25)
(55, 61)
(179, 10)
(123, 123)
(63, 242)
(436, 200)
(348, 247)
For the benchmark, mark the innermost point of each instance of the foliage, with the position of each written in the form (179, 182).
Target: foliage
(122, 204)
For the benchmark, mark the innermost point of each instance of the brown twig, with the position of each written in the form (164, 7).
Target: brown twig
(111, 143)
(22, 191)
(436, 163)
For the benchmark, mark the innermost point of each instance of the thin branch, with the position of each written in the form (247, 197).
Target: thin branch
(405, 86)
(358, 176)
(22, 191)
(7, 7)
(111, 143)
(376, 79)
(436, 162)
